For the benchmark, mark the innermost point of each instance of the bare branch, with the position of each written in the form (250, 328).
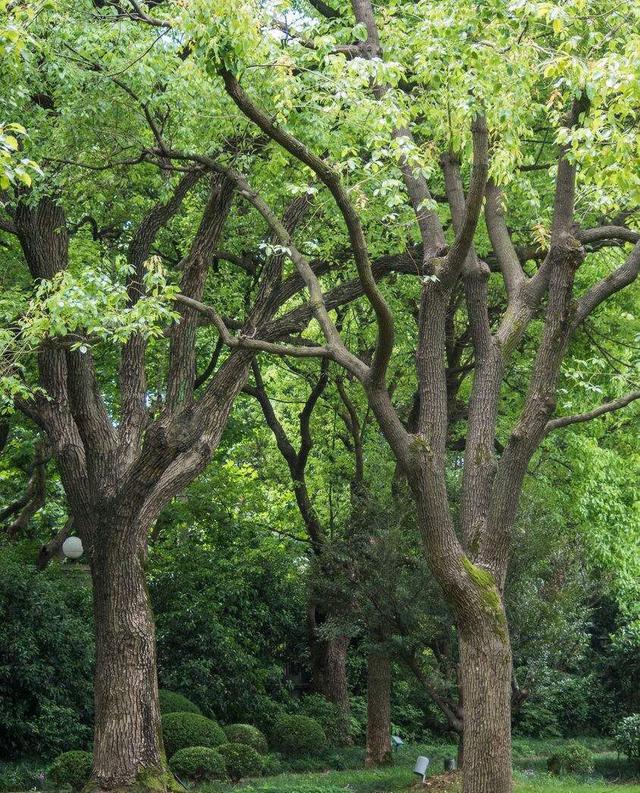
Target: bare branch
(329, 177)
(246, 342)
(505, 251)
(620, 278)
(607, 407)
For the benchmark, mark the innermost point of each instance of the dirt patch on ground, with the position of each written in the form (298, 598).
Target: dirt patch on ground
(447, 783)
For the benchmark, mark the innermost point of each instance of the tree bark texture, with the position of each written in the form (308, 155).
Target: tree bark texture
(329, 670)
(485, 657)
(128, 737)
(378, 709)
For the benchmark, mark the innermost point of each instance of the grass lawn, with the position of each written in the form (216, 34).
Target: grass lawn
(307, 775)
(530, 775)
(400, 780)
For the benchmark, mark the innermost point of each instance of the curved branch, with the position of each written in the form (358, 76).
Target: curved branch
(620, 278)
(332, 181)
(607, 407)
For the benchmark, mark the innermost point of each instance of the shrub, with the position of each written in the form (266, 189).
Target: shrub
(71, 768)
(248, 735)
(21, 776)
(181, 730)
(172, 702)
(572, 758)
(241, 760)
(46, 658)
(299, 735)
(627, 737)
(198, 764)
(272, 764)
(332, 720)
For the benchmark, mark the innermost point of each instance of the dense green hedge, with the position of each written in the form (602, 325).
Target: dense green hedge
(181, 730)
(299, 735)
(198, 764)
(247, 734)
(172, 702)
(71, 768)
(241, 760)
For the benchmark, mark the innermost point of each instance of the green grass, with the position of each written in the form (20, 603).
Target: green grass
(309, 775)
(529, 755)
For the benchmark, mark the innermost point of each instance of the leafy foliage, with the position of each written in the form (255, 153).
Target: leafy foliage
(299, 736)
(182, 730)
(71, 768)
(198, 764)
(627, 737)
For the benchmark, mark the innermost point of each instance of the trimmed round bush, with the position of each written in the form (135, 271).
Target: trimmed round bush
(241, 760)
(573, 758)
(71, 768)
(334, 722)
(247, 734)
(198, 764)
(172, 702)
(181, 730)
(299, 736)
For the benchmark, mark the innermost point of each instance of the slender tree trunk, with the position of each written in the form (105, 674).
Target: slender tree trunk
(128, 749)
(378, 709)
(485, 658)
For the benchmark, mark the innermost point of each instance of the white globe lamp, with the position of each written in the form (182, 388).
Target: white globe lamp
(72, 547)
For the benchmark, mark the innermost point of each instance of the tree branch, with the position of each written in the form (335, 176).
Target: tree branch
(332, 181)
(607, 407)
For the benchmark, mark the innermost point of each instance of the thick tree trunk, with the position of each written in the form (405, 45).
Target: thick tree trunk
(485, 659)
(329, 669)
(378, 709)
(128, 749)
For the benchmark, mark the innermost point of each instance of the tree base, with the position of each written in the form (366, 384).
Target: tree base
(147, 781)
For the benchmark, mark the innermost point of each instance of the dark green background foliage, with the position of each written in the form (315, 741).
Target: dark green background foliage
(228, 602)
(46, 657)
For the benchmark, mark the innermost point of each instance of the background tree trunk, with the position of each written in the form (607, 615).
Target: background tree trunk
(378, 709)
(485, 659)
(128, 749)
(329, 670)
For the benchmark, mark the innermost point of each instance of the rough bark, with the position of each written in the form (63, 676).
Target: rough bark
(485, 657)
(378, 708)
(329, 667)
(128, 750)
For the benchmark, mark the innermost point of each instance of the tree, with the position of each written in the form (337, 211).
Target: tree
(369, 138)
(472, 568)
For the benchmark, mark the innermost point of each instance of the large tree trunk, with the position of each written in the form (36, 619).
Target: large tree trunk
(378, 709)
(128, 749)
(485, 659)
(329, 669)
